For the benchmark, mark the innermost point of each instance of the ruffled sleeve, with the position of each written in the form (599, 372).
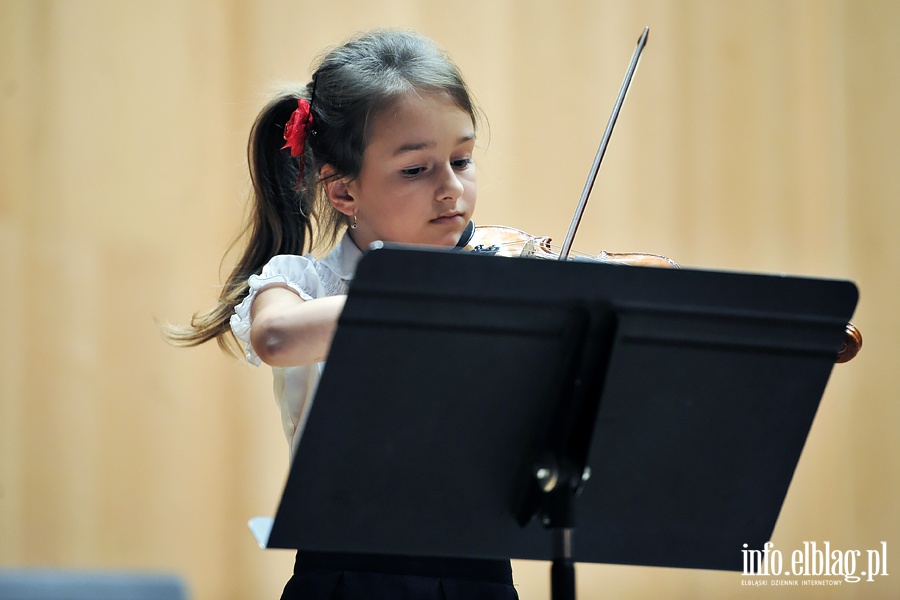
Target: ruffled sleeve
(299, 273)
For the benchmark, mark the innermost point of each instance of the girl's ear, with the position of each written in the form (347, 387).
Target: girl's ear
(337, 191)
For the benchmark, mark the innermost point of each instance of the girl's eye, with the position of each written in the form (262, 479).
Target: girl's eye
(460, 164)
(412, 172)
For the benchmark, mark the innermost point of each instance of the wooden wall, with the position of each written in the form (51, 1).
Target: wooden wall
(760, 136)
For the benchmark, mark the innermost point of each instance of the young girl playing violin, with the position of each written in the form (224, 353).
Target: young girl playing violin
(377, 146)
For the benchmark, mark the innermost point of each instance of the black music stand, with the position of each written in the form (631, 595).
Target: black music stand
(472, 403)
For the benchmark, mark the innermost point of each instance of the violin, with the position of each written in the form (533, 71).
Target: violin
(508, 241)
(500, 240)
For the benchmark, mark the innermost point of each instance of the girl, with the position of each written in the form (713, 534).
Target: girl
(378, 146)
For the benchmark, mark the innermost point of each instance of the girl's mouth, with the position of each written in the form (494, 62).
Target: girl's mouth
(448, 218)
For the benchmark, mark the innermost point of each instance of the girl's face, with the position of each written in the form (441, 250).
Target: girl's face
(417, 183)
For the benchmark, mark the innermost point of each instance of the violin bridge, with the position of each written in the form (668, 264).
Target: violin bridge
(527, 249)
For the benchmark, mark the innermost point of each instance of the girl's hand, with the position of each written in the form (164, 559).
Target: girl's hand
(288, 331)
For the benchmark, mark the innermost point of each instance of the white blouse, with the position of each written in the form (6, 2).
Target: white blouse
(310, 278)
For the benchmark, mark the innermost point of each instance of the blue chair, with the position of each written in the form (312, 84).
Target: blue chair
(66, 584)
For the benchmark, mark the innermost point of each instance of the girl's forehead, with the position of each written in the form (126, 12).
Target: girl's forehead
(433, 114)
(418, 102)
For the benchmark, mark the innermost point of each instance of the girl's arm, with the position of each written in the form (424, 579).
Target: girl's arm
(288, 331)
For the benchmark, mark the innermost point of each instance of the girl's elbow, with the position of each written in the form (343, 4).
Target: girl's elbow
(271, 343)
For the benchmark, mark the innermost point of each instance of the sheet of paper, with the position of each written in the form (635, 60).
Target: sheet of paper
(261, 528)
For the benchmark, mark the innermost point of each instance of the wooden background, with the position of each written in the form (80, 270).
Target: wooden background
(759, 136)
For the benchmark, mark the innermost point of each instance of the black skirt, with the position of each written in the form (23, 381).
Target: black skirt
(363, 577)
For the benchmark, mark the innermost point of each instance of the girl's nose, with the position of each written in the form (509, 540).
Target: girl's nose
(451, 188)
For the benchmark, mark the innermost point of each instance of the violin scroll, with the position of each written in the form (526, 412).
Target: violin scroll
(852, 344)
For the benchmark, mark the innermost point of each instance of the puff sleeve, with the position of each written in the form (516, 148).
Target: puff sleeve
(299, 273)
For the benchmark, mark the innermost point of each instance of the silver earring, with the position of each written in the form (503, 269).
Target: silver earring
(354, 223)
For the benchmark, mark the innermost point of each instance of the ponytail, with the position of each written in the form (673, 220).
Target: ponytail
(281, 221)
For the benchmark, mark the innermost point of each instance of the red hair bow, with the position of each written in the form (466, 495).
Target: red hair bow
(297, 128)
